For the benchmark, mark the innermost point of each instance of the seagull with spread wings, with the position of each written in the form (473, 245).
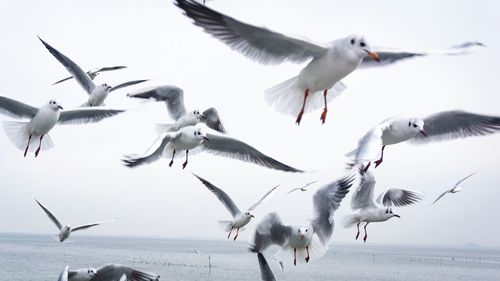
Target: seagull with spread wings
(240, 219)
(108, 272)
(317, 83)
(24, 135)
(454, 189)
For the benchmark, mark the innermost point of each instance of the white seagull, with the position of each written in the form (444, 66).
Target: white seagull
(24, 135)
(194, 137)
(174, 100)
(97, 93)
(109, 272)
(304, 188)
(66, 230)
(240, 219)
(445, 125)
(317, 83)
(266, 273)
(454, 189)
(306, 240)
(94, 72)
(371, 210)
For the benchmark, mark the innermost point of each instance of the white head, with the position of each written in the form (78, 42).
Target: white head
(302, 231)
(54, 105)
(106, 87)
(249, 215)
(360, 47)
(197, 114)
(417, 125)
(86, 274)
(199, 133)
(388, 213)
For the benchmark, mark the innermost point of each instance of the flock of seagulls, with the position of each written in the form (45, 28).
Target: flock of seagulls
(195, 131)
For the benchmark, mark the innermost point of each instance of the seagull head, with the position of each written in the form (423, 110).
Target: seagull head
(361, 47)
(417, 125)
(106, 87)
(302, 231)
(198, 114)
(248, 214)
(390, 214)
(54, 105)
(200, 133)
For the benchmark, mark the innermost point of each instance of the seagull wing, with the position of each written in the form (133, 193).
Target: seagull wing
(85, 116)
(270, 231)
(126, 84)
(16, 109)
(62, 80)
(133, 161)
(363, 195)
(64, 274)
(116, 271)
(233, 148)
(81, 76)
(107, 68)
(264, 198)
(259, 44)
(440, 196)
(212, 120)
(460, 181)
(172, 96)
(456, 124)
(50, 215)
(266, 272)
(222, 196)
(389, 56)
(369, 147)
(85, 226)
(326, 200)
(399, 197)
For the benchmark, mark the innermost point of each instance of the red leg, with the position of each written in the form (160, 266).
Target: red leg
(185, 162)
(306, 93)
(325, 110)
(237, 232)
(172, 161)
(367, 166)
(357, 235)
(229, 235)
(39, 146)
(27, 146)
(307, 250)
(379, 161)
(294, 256)
(366, 233)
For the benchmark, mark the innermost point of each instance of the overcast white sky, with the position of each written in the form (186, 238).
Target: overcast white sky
(82, 180)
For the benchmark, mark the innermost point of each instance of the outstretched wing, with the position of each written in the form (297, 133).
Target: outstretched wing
(270, 231)
(222, 196)
(212, 120)
(399, 197)
(16, 109)
(259, 44)
(266, 272)
(460, 181)
(440, 196)
(264, 198)
(172, 96)
(64, 274)
(85, 226)
(50, 215)
(326, 200)
(126, 84)
(133, 161)
(85, 116)
(115, 272)
(233, 148)
(107, 68)
(363, 195)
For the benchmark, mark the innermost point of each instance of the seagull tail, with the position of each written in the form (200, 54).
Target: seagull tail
(17, 132)
(288, 97)
(225, 225)
(350, 220)
(164, 128)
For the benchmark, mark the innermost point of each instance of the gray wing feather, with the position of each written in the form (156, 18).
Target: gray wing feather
(326, 200)
(62, 80)
(64, 275)
(81, 76)
(222, 196)
(270, 231)
(440, 196)
(81, 227)
(266, 272)
(126, 84)
(16, 109)
(85, 116)
(256, 43)
(112, 272)
(399, 197)
(172, 96)
(134, 161)
(108, 68)
(212, 120)
(363, 196)
(50, 215)
(457, 124)
(232, 148)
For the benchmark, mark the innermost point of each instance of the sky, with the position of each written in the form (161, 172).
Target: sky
(82, 179)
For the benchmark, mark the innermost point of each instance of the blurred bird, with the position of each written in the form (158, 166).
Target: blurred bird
(454, 189)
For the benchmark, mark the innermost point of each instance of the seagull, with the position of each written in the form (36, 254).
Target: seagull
(109, 272)
(266, 272)
(445, 125)
(381, 209)
(454, 189)
(174, 99)
(194, 137)
(97, 93)
(94, 72)
(66, 230)
(312, 237)
(240, 219)
(317, 83)
(304, 188)
(25, 134)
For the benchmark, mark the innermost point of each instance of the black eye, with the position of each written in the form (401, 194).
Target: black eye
(414, 125)
(362, 44)
(352, 41)
(307, 230)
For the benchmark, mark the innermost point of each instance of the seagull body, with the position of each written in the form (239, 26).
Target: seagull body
(93, 73)
(25, 135)
(97, 93)
(440, 126)
(240, 219)
(307, 239)
(109, 272)
(66, 230)
(174, 100)
(454, 189)
(371, 210)
(193, 137)
(318, 82)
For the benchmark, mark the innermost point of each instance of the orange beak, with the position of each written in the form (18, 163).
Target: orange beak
(374, 56)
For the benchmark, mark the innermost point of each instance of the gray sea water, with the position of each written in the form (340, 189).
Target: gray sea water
(38, 257)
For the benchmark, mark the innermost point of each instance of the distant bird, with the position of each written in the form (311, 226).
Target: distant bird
(66, 230)
(109, 272)
(24, 135)
(266, 273)
(240, 219)
(306, 240)
(304, 188)
(371, 210)
(445, 125)
(94, 72)
(193, 137)
(174, 99)
(327, 64)
(454, 189)
(97, 93)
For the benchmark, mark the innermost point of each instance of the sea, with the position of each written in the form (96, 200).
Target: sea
(26, 257)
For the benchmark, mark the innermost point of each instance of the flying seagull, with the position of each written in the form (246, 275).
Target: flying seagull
(304, 188)
(454, 189)
(380, 210)
(66, 230)
(24, 135)
(317, 83)
(445, 125)
(97, 93)
(174, 99)
(109, 272)
(94, 72)
(309, 239)
(193, 137)
(240, 219)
